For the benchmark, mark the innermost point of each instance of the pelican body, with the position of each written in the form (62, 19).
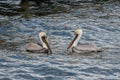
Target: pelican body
(39, 48)
(81, 48)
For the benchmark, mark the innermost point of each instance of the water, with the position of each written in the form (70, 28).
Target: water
(100, 24)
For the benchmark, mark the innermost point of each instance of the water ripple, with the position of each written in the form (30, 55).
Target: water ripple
(100, 24)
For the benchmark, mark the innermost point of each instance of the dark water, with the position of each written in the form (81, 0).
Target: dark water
(100, 24)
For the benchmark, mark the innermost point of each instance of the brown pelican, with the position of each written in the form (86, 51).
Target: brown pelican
(39, 48)
(81, 48)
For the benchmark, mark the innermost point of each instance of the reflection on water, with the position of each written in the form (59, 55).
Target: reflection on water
(100, 24)
(28, 8)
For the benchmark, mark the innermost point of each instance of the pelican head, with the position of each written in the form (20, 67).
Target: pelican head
(78, 31)
(44, 41)
(76, 38)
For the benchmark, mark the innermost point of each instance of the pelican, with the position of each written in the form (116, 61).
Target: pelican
(81, 48)
(39, 48)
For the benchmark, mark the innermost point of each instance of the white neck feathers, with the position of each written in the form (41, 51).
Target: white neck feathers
(77, 39)
(43, 44)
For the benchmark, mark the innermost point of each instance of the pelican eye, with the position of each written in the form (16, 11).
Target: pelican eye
(44, 36)
(76, 33)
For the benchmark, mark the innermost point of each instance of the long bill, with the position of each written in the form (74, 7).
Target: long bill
(72, 41)
(46, 42)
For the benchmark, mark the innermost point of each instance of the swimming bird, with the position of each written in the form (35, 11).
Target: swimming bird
(39, 48)
(81, 48)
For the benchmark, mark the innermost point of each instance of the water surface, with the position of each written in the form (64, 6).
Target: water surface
(100, 24)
